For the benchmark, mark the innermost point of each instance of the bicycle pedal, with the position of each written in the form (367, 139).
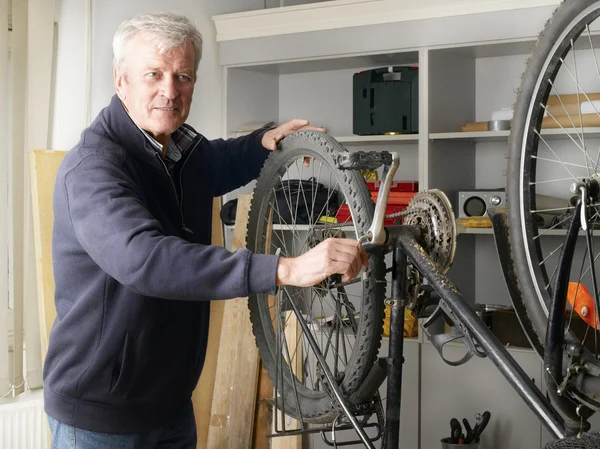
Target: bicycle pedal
(363, 160)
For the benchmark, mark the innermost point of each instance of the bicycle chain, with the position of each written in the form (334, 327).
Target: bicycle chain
(402, 213)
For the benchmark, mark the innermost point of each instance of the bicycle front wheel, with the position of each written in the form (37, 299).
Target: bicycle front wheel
(552, 145)
(345, 320)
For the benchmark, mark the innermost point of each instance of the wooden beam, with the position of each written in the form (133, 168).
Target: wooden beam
(203, 395)
(232, 412)
(293, 357)
(263, 413)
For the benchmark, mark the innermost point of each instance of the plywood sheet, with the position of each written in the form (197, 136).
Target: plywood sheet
(43, 168)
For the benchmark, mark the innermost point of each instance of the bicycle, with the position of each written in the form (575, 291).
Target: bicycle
(335, 386)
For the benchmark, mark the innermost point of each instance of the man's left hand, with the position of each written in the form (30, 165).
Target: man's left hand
(271, 137)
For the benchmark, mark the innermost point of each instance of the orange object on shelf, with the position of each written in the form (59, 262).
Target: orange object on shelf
(583, 303)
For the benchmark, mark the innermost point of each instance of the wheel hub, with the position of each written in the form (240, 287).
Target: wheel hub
(315, 237)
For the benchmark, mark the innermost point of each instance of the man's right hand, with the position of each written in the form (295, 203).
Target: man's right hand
(333, 256)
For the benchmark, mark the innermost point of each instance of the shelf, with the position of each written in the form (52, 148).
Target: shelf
(462, 230)
(479, 136)
(375, 140)
(502, 136)
(304, 227)
(489, 231)
(361, 62)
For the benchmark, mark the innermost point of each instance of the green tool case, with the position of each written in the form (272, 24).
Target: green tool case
(386, 101)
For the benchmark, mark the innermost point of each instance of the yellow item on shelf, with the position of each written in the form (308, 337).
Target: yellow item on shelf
(411, 323)
(327, 219)
(475, 222)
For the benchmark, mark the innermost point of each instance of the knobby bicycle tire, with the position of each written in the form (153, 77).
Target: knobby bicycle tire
(301, 400)
(528, 256)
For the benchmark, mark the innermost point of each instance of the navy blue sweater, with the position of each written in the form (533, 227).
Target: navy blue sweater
(134, 273)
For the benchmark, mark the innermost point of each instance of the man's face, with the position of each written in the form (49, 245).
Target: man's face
(156, 88)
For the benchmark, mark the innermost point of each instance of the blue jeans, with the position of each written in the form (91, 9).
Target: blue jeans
(180, 433)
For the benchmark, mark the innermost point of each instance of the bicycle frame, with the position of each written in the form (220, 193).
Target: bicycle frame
(454, 305)
(560, 417)
(403, 240)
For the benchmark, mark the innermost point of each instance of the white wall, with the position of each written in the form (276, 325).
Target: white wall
(69, 94)
(68, 119)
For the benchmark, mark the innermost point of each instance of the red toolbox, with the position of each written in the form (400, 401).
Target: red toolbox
(343, 214)
(397, 186)
(396, 198)
(401, 192)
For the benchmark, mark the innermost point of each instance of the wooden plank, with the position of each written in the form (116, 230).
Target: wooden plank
(232, 412)
(263, 413)
(263, 418)
(294, 356)
(43, 168)
(203, 395)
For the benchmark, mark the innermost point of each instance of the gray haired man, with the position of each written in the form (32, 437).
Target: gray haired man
(134, 268)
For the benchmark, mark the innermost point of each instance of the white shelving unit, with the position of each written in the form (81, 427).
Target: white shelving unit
(467, 69)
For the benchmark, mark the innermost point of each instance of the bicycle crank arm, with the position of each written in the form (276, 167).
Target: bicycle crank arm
(361, 160)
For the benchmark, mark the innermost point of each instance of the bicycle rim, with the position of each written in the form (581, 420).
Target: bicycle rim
(545, 163)
(345, 321)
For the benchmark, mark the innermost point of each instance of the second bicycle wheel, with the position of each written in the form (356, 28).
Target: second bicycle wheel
(552, 146)
(346, 321)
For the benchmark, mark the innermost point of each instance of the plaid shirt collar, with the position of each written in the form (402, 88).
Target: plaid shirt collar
(180, 142)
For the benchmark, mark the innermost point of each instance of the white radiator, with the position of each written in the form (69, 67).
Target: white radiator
(23, 423)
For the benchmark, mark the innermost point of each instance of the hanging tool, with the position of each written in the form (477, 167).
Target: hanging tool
(479, 427)
(468, 429)
(455, 430)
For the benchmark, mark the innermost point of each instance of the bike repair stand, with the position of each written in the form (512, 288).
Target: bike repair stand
(395, 360)
(337, 392)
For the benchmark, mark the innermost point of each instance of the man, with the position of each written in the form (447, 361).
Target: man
(133, 265)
